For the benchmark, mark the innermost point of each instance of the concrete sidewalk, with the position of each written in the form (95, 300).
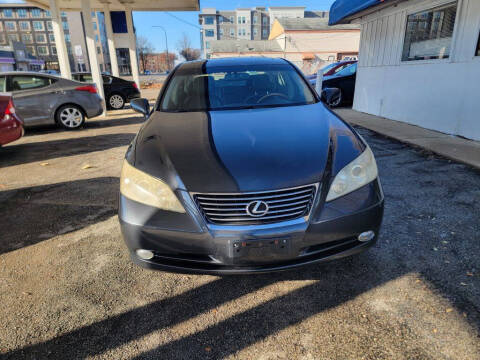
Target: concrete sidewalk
(449, 146)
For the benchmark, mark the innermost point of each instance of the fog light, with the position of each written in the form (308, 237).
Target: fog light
(144, 254)
(366, 236)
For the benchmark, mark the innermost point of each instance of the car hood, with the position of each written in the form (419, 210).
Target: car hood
(242, 150)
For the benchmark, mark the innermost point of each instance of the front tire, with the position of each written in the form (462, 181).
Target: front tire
(70, 117)
(116, 101)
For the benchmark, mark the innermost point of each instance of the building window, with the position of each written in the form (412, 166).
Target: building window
(63, 14)
(51, 37)
(93, 14)
(49, 26)
(264, 20)
(477, 53)
(209, 20)
(54, 50)
(7, 13)
(95, 26)
(255, 19)
(27, 38)
(231, 19)
(10, 26)
(99, 51)
(119, 22)
(36, 13)
(48, 13)
(221, 32)
(209, 33)
(264, 33)
(38, 25)
(13, 37)
(40, 38)
(255, 32)
(65, 25)
(42, 50)
(429, 33)
(220, 19)
(30, 50)
(67, 38)
(24, 25)
(22, 13)
(232, 32)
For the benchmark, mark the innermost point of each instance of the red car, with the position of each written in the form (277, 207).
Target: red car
(11, 126)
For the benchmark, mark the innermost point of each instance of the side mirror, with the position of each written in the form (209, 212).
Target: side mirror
(331, 96)
(141, 106)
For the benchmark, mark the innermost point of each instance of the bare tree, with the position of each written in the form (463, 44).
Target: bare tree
(185, 49)
(144, 47)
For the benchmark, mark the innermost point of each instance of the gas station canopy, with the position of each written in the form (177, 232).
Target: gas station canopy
(135, 5)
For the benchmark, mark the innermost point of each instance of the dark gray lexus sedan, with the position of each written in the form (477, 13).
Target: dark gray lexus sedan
(240, 168)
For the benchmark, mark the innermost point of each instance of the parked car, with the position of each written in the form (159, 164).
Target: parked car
(344, 80)
(11, 126)
(47, 99)
(331, 69)
(117, 91)
(336, 67)
(269, 178)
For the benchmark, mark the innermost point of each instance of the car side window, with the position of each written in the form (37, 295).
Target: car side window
(106, 79)
(3, 82)
(28, 82)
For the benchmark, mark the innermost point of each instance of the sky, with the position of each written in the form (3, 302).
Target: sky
(188, 23)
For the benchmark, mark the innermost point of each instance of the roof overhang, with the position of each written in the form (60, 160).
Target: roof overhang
(135, 5)
(345, 11)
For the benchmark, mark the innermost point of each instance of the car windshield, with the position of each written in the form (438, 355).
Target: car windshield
(235, 87)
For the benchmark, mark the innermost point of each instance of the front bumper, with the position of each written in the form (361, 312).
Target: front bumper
(186, 243)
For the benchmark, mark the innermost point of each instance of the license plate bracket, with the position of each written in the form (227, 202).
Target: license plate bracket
(253, 248)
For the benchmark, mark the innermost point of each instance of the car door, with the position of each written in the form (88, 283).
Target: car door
(32, 95)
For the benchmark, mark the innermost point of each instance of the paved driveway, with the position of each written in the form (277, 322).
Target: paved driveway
(68, 289)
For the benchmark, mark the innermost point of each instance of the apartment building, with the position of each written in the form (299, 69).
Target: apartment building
(241, 23)
(32, 27)
(245, 23)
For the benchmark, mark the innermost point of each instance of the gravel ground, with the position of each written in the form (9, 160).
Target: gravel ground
(68, 289)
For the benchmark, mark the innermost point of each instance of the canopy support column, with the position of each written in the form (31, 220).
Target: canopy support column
(111, 41)
(92, 50)
(132, 46)
(60, 43)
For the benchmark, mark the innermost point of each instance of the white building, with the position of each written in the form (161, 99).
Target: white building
(419, 62)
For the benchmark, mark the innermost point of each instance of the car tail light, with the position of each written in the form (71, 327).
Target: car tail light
(10, 109)
(90, 88)
(135, 85)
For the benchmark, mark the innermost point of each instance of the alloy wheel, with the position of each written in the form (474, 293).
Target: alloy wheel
(116, 101)
(71, 117)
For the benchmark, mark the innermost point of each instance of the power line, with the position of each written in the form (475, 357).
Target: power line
(182, 20)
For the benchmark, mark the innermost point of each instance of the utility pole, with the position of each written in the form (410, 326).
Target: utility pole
(166, 44)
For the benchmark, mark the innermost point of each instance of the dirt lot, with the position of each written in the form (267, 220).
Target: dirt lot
(68, 289)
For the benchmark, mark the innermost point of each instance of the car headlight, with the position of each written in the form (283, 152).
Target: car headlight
(143, 188)
(359, 172)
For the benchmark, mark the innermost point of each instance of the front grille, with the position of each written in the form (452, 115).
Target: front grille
(284, 204)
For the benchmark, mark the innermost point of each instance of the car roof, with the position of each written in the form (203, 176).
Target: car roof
(231, 61)
(32, 73)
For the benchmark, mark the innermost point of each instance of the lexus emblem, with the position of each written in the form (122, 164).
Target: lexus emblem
(257, 208)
